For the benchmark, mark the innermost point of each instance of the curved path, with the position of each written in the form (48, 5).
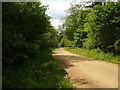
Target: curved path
(85, 72)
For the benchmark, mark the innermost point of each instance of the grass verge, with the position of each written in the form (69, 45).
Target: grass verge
(39, 72)
(95, 54)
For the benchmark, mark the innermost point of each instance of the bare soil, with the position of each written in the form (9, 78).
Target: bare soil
(86, 72)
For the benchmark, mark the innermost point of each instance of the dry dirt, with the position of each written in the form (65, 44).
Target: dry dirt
(85, 72)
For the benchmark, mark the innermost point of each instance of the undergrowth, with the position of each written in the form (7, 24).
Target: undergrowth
(95, 54)
(39, 72)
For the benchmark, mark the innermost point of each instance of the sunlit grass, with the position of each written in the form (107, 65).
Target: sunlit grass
(95, 54)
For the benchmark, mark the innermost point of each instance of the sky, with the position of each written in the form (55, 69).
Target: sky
(56, 10)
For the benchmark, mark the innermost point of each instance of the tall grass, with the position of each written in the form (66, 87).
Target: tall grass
(40, 71)
(95, 54)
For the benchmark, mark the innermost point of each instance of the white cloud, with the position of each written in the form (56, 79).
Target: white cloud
(56, 10)
(56, 22)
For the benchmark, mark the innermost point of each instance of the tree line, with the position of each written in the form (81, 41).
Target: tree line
(26, 28)
(92, 28)
(28, 36)
(28, 39)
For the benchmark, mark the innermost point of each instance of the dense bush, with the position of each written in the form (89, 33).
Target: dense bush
(102, 25)
(80, 34)
(28, 38)
(39, 72)
(26, 28)
(96, 27)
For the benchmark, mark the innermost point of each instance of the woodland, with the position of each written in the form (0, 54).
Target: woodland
(28, 39)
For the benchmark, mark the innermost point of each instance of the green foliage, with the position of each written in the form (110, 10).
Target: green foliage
(28, 37)
(26, 28)
(102, 26)
(117, 43)
(95, 54)
(40, 71)
(117, 46)
(70, 23)
(80, 34)
(65, 42)
(50, 38)
(97, 27)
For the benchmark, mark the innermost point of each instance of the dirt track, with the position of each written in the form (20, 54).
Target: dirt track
(87, 73)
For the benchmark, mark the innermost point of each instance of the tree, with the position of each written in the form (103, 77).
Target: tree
(102, 26)
(80, 34)
(70, 25)
(24, 25)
